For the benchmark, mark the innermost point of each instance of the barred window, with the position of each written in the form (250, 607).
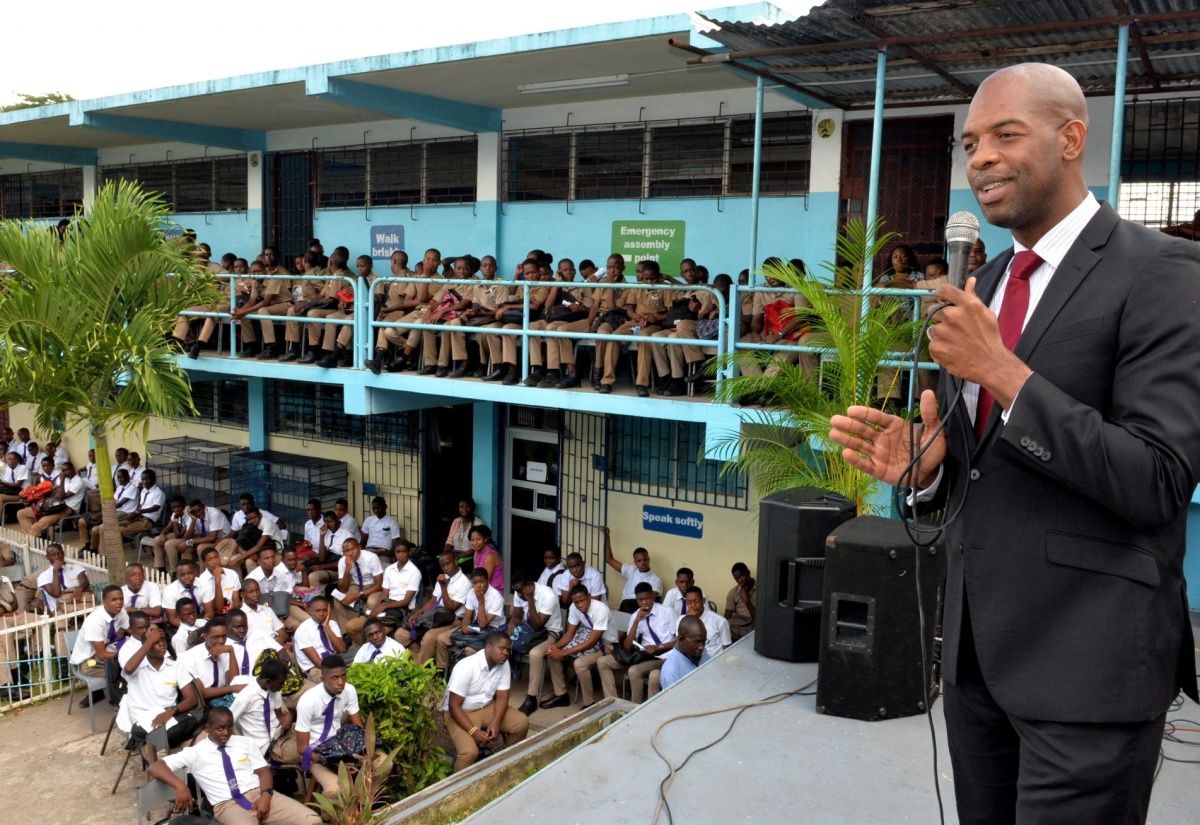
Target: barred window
(222, 402)
(312, 411)
(1160, 163)
(394, 432)
(661, 459)
(40, 195)
(189, 186)
(398, 174)
(705, 157)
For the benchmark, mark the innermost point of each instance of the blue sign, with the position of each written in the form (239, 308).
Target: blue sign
(676, 522)
(385, 240)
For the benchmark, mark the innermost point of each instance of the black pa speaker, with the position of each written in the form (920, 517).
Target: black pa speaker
(792, 528)
(871, 665)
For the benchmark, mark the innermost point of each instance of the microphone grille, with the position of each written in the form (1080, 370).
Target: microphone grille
(962, 226)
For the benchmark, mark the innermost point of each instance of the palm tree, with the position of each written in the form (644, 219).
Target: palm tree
(85, 322)
(788, 446)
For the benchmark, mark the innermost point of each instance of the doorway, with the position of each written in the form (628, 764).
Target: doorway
(531, 475)
(288, 203)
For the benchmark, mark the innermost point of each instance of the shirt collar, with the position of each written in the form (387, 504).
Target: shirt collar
(1054, 245)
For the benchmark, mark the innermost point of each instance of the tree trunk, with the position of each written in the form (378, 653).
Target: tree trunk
(110, 531)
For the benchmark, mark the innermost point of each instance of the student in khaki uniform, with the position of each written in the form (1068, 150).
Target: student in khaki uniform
(183, 323)
(687, 359)
(560, 352)
(323, 303)
(246, 290)
(412, 339)
(274, 298)
(398, 301)
(784, 330)
(537, 302)
(666, 362)
(646, 308)
(486, 298)
(551, 304)
(452, 344)
(336, 338)
(605, 301)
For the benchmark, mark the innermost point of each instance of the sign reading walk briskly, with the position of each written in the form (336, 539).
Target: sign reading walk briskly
(660, 241)
(675, 522)
(385, 240)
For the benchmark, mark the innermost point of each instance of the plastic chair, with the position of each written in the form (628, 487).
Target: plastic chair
(154, 794)
(92, 683)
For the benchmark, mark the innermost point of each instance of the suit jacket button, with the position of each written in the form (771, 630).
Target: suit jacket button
(1024, 441)
(1039, 451)
(974, 474)
(1046, 456)
(1031, 446)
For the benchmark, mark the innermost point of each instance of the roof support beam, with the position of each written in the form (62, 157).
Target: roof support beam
(1138, 43)
(198, 134)
(71, 155)
(873, 27)
(785, 87)
(398, 103)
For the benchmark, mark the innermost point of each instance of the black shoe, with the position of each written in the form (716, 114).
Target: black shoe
(672, 388)
(481, 372)
(535, 377)
(267, 353)
(595, 381)
(494, 375)
(309, 357)
(430, 370)
(375, 365)
(510, 379)
(562, 701)
(604, 389)
(643, 392)
(568, 381)
(458, 372)
(528, 706)
(329, 362)
(396, 365)
(697, 377)
(550, 380)
(12, 693)
(345, 359)
(194, 350)
(442, 372)
(290, 355)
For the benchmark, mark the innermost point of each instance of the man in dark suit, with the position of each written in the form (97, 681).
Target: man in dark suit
(1066, 628)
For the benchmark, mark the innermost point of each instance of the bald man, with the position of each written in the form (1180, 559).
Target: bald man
(1074, 454)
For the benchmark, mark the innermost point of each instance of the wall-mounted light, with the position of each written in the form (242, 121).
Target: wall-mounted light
(254, 159)
(573, 85)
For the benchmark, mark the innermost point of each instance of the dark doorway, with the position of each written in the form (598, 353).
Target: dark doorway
(449, 437)
(914, 180)
(288, 203)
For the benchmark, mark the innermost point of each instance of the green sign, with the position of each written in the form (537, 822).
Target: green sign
(660, 241)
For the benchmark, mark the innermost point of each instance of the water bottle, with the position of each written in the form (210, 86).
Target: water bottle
(636, 329)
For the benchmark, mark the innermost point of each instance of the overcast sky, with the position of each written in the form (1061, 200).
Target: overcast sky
(90, 49)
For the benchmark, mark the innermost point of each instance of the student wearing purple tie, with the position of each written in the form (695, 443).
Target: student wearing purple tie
(141, 594)
(233, 776)
(319, 714)
(317, 639)
(378, 644)
(359, 587)
(258, 709)
(97, 639)
(212, 665)
(186, 587)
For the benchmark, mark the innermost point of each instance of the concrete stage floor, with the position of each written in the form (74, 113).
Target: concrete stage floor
(782, 763)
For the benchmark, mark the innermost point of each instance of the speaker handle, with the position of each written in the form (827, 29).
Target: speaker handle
(793, 582)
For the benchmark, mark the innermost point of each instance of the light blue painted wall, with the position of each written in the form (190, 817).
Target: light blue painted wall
(236, 232)
(451, 229)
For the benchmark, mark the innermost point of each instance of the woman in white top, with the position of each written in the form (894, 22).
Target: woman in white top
(459, 539)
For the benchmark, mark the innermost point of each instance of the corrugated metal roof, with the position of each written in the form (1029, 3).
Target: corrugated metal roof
(962, 41)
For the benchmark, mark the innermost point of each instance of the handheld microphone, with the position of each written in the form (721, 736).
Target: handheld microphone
(962, 230)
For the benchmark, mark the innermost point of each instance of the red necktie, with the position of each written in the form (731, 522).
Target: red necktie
(1011, 320)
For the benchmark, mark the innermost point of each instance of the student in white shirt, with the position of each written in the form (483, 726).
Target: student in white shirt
(341, 509)
(234, 777)
(97, 639)
(234, 555)
(449, 593)
(634, 574)
(590, 634)
(401, 583)
(62, 580)
(70, 490)
(536, 604)
(316, 520)
(245, 505)
(186, 586)
(323, 569)
(261, 619)
(378, 644)
(141, 594)
(717, 625)
(190, 621)
(33, 458)
(46, 471)
(317, 639)
(651, 630)
(177, 522)
(476, 702)
(379, 529)
(221, 581)
(359, 587)
(91, 481)
(159, 694)
(57, 452)
(319, 714)
(673, 599)
(203, 527)
(554, 568)
(246, 647)
(13, 478)
(277, 584)
(579, 573)
(483, 610)
(258, 709)
(211, 663)
(135, 467)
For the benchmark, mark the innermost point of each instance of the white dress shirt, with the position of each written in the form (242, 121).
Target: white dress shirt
(280, 579)
(71, 574)
(307, 636)
(153, 500)
(381, 532)
(175, 591)
(399, 581)
(239, 519)
(97, 627)
(475, 682)
(598, 617)
(249, 715)
(546, 603)
(125, 495)
(75, 492)
(592, 579)
(718, 631)
(151, 691)
(230, 584)
(658, 628)
(390, 648)
(150, 595)
(198, 664)
(261, 621)
(458, 586)
(15, 476)
(369, 567)
(204, 762)
(179, 642)
(88, 474)
(547, 572)
(333, 541)
(493, 603)
(310, 711)
(634, 577)
(350, 525)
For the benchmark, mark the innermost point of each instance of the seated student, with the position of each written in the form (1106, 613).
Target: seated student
(450, 345)
(159, 695)
(203, 527)
(97, 639)
(314, 523)
(739, 604)
(125, 498)
(278, 583)
(341, 509)
(483, 610)
(716, 624)
(63, 581)
(233, 776)
(689, 653)
(378, 644)
(316, 299)
(245, 505)
(379, 529)
(11, 615)
(319, 714)
(69, 490)
(223, 584)
(651, 630)
(538, 296)
(246, 650)
(450, 591)
(588, 637)
(359, 587)
(674, 600)
(317, 639)
(536, 604)
(634, 574)
(238, 552)
(173, 529)
(336, 338)
(261, 619)
(46, 471)
(568, 309)
(33, 460)
(212, 665)
(773, 322)
(185, 586)
(646, 308)
(579, 573)
(476, 702)
(136, 468)
(401, 583)
(258, 709)
(332, 536)
(190, 621)
(554, 567)
(13, 478)
(141, 594)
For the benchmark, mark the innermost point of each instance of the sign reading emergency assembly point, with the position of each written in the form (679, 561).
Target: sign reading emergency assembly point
(676, 522)
(660, 241)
